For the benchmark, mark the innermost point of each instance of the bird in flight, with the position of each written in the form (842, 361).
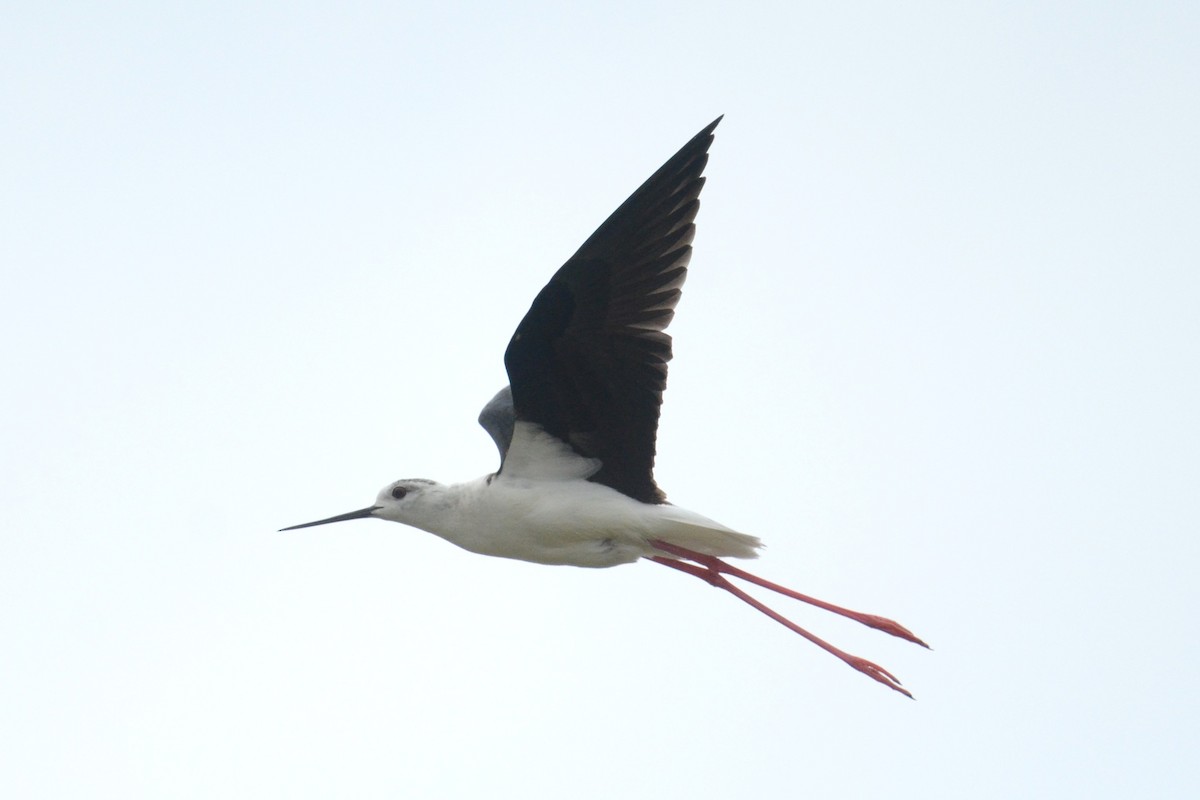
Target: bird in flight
(577, 424)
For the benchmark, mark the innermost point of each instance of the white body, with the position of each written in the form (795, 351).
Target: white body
(542, 508)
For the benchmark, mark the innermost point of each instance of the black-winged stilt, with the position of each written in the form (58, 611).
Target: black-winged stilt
(576, 426)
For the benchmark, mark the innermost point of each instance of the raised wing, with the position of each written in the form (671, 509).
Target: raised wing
(588, 363)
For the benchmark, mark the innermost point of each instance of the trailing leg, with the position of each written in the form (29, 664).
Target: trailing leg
(710, 569)
(717, 565)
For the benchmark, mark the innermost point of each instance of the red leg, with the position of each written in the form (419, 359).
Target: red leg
(717, 565)
(710, 569)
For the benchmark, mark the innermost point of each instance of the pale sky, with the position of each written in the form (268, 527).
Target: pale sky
(938, 348)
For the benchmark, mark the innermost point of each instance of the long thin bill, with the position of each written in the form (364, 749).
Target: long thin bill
(360, 514)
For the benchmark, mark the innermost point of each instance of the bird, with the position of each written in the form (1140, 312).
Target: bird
(576, 426)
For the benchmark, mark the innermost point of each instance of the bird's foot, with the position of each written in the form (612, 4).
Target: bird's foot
(873, 670)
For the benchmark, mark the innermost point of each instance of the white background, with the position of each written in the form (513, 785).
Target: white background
(939, 348)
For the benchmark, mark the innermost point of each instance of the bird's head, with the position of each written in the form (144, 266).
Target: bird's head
(405, 500)
(401, 501)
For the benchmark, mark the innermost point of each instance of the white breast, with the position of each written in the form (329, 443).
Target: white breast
(569, 520)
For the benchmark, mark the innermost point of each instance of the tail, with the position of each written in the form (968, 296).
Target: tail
(689, 530)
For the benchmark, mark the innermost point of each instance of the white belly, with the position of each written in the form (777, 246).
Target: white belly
(579, 523)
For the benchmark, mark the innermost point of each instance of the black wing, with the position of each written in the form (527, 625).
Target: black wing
(588, 363)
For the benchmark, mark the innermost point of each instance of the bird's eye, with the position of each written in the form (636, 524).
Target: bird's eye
(399, 492)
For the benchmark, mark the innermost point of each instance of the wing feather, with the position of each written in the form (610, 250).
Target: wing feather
(588, 363)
